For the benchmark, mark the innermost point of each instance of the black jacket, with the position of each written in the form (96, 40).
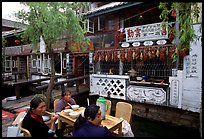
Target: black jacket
(36, 128)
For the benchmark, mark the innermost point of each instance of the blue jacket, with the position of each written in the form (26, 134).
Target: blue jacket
(90, 130)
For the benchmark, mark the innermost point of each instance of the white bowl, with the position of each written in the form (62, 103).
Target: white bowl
(139, 78)
(67, 111)
(74, 114)
(45, 118)
(75, 107)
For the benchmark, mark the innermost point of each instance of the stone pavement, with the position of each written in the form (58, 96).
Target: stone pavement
(8, 121)
(5, 123)
(16, 106)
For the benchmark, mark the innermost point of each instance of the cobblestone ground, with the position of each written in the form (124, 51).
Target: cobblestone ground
(5, 123)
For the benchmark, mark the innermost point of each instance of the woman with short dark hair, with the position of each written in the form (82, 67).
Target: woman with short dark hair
(65, 101)
(88, 124)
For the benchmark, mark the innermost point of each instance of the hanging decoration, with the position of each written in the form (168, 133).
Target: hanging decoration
(145, 54)
(17, 41)
(115, 56)
(129, 55)
(138, 54)
(162, 53)
(122, 55)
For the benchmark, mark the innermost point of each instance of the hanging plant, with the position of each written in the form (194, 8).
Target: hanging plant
(186, 13)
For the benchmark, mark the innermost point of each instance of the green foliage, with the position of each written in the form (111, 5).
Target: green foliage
(187, 12)
(3, 41)
(51, 20)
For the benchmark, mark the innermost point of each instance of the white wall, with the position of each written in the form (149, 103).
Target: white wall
(192, 77)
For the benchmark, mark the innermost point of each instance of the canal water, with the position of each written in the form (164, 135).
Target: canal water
(143, 127)
(26, 90)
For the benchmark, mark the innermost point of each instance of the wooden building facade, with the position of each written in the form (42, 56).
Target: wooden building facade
(133, 56)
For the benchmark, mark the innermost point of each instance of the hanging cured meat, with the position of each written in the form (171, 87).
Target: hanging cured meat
(171, 51)
(129, 55)
(153, 53)
(167, 51)
(141, 55)
(102, 56)
(96, 56)
(149, 53)
(115, 57)
(122, 55)
(125, 53)
(145, 54)
(137, 54)
(108, 55)
(133, 54)
(157, 52)
(162, 53)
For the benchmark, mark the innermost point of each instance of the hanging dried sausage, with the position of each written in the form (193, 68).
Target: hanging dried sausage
(122, 55)
(129, 55)
(149, 53)
(153, 53)
(137, 54)
(96, 56)
(161, 53)
(145, 54)
(133, 54)
(141, 55)
(171, 51)
(115, 58)
(102, 56)
(108, 53)
(157, 52)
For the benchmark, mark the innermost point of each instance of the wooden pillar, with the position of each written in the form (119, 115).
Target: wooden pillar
(17, 91)
(63, 88)
(77, 87)
(28, 68)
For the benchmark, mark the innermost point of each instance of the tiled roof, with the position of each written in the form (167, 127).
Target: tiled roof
(17, 50)
(6, 33)
(12, 24)
(105, 7)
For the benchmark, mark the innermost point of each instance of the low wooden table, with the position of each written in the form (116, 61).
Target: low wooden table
(111, 122)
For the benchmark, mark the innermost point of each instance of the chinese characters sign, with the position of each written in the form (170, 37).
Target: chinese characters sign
(174, 96)
(191, 66)
(146, 32)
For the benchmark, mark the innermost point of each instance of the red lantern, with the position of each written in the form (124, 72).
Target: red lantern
(173, 13)
(17, 41)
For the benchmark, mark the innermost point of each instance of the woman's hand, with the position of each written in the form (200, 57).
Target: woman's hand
(53, 117)
(67, 107)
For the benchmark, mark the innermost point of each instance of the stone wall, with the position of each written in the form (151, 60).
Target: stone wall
(173, 116)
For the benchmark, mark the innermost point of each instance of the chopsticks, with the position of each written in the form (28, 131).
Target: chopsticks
(48, 112)
(69, 104)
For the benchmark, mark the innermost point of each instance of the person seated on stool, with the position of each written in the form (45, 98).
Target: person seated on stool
(33, 120)
(64, 103)
(88, 124)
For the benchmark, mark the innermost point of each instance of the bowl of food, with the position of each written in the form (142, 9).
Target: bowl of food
(139, 78)
(74, 114)
(75, 107)
(67, 111)
(45, 118)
